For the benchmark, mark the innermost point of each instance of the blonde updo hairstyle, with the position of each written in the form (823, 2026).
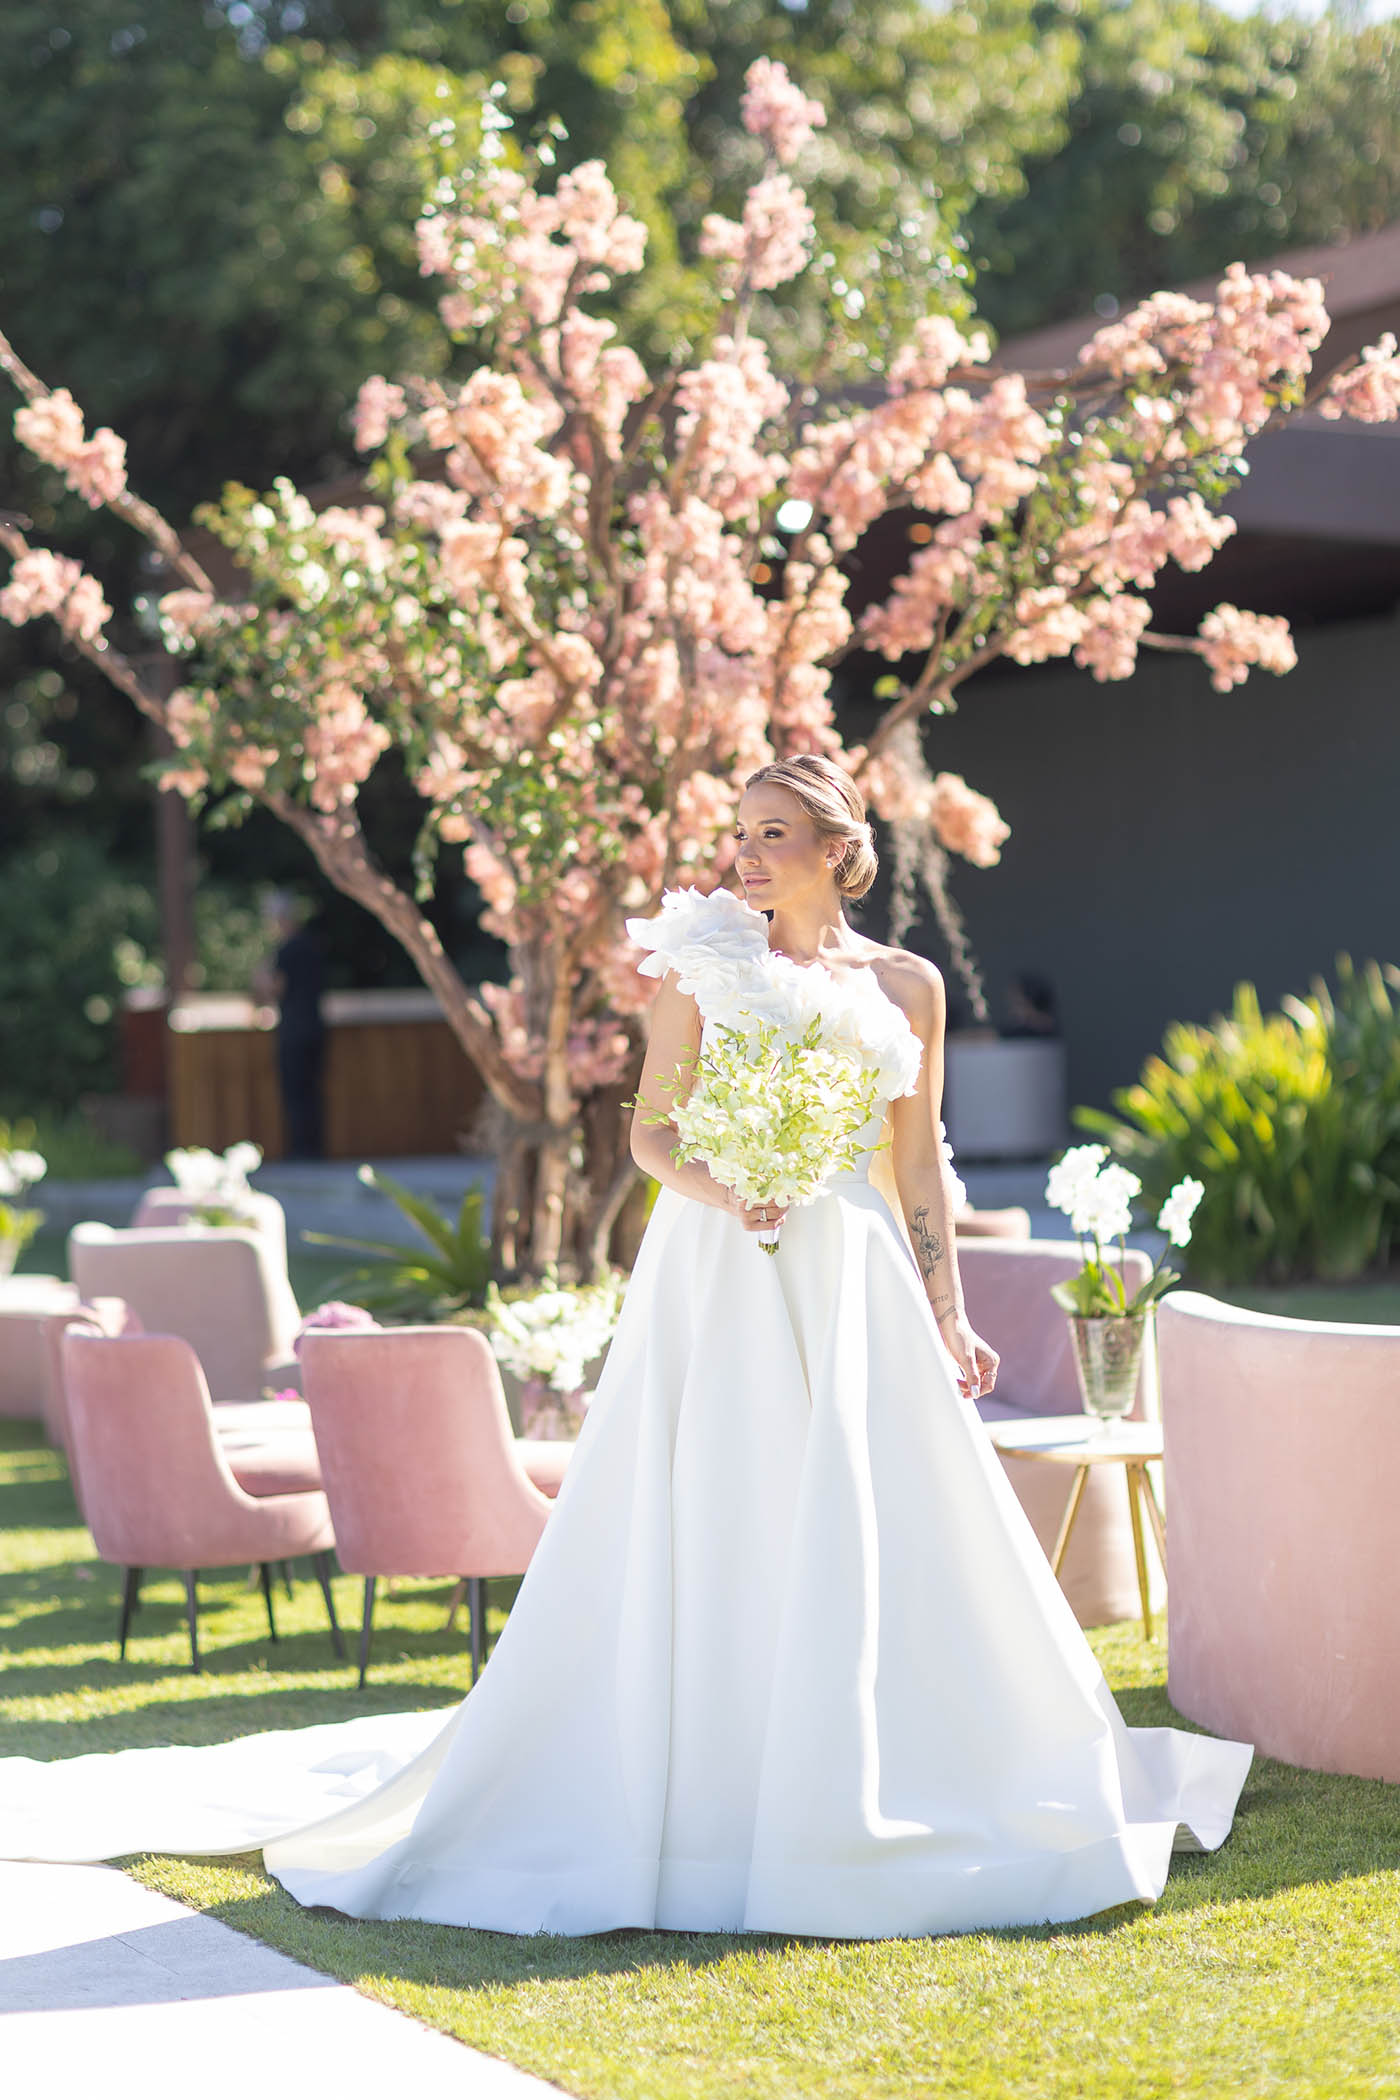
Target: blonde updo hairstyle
(837, 810)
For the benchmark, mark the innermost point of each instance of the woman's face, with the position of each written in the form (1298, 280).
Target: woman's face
(780, 856)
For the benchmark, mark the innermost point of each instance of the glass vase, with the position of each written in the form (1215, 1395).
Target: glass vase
(1107, 1359)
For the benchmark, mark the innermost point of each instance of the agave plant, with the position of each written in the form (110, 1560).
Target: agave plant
(450, 1274)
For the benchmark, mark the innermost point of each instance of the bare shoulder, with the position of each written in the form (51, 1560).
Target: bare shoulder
(913, 983)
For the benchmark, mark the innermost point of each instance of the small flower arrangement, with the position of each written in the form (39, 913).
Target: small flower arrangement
(553, 1334)
(20, 1168)
(216, 1183)
(774, 1116)
(1097, 1198)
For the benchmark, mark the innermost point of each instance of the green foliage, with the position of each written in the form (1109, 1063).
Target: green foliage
(1292, 1121)
(1194, 138)
(63, 918)
(68, 1141)
(451, 1276)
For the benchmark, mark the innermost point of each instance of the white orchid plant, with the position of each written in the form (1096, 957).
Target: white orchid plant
(20, 1168)
(1097, 1198)
(216, 1182)
(555, 1333)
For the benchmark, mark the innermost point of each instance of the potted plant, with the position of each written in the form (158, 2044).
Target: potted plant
(20, 1168)
(1107, 1327)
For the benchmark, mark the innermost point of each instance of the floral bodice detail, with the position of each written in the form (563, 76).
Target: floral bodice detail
(718, 948)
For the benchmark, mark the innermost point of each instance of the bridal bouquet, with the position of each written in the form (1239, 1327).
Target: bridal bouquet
(774, 1116)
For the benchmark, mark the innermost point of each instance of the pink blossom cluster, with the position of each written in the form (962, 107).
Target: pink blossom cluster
(952, 571)
(52, 429)
(341, 745)
(944, 451)
(515, 256)
(725, 402)
(378, 406)
(1232, 360)
(603, 379)
(1368, 391)
(42, 582)
(775, 110)
(967, 822)
(1233, 642)
(493, 433)
(937, 347)
(599, 1052)
(1113, 627)
(771, 243)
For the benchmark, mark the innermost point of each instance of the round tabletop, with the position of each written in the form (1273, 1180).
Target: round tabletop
(1078, 1440)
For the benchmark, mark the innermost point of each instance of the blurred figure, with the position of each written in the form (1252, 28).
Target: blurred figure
(294, 983)
(1030, 1007)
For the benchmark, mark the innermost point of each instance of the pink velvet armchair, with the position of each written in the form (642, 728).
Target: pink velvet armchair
(155, 1486)
(1281, 1442)
(423, 1474)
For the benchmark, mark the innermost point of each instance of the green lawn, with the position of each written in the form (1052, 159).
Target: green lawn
(1268, 1968)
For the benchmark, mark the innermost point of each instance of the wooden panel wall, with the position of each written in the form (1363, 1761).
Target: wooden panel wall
(391, 1088)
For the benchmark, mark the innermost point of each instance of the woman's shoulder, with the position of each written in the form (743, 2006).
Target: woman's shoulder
(912, 982)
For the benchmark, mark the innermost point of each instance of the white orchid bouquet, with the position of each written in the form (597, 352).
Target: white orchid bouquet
(216, 1182)
(1097, 1198)
(775, 1116)
(20, 1168)
(555, 1333)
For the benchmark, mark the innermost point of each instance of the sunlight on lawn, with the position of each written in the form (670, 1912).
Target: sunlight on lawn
(1268, 1968)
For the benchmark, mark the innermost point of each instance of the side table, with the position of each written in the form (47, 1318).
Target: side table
(1083, 1441)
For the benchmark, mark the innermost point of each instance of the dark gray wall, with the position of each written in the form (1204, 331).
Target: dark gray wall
(1168, 840)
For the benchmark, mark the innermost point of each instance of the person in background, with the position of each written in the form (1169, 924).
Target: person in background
(1030, 1007)
(294, 982)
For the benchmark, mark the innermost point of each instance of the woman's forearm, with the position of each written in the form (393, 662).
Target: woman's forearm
(925, 1199)
(652, 1150)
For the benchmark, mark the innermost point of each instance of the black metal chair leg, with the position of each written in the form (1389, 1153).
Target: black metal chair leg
(321, 1562)
(192, 1613)
(477, 1592)
(287, 1583)
(131, 1598)
(365, 1629)
(267, 1599)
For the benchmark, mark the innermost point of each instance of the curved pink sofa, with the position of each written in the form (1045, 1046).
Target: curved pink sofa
(1282, 1438)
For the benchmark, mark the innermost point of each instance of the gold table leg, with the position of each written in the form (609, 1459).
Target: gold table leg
(1154, 1513)
(1076, 1496)
(1132, 1474)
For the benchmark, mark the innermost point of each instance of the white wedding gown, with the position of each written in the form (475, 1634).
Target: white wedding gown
(788, 1657)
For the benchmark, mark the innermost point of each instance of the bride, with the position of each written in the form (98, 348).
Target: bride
(788, 1657)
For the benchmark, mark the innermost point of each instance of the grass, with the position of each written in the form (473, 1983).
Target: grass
(1267, 1969)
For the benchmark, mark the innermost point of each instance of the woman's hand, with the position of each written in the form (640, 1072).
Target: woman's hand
(755, 1217)
(976, 1360)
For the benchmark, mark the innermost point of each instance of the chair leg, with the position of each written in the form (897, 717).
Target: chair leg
(131, 1598)
(477, 1593)
(267, 1599)
(365, 1627)
(321, 1562)
(192, 1613)
(459, 1591)
(288, 1585)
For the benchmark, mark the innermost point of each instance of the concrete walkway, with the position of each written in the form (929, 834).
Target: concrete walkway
(107, 1989)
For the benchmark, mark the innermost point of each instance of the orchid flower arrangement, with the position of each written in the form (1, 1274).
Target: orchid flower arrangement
(1097, 1198)
(216, 1183)
(555, 1333)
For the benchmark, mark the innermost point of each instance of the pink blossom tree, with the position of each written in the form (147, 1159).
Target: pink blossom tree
(586, 599)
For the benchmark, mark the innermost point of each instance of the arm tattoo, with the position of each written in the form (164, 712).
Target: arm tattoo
(929, 1245)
